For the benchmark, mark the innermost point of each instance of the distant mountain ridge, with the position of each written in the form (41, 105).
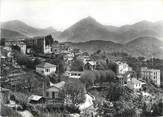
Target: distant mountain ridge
(146, 46)
(11, 35)
(24, 29)
(89, 29)
(143, 46)
(139, 39)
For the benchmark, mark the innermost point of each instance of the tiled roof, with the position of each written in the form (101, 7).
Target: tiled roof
(46, 65)
(35, 97)
(59, 85)
(135, 81)
(56, 87)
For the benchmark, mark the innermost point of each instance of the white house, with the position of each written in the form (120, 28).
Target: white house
(122, 68)
(134, 84)
(74, 74)
(54, 90)
(45, 68)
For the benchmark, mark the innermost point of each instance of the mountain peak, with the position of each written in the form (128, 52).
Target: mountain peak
(89, 19)
(14, 22)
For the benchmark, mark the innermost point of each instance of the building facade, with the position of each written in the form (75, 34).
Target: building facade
(54, 90)
(151, 75)
(45, 69)
(19, 44)
(134, 84)
(122, 68)
(74, 74)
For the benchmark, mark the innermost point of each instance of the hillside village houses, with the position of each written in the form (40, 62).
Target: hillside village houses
(60, 48)
(134, 84)
(122, 67)
(151, 75)
(18, 43)
(35, 99)
(54, 90)
(45, 68)
(74, 74)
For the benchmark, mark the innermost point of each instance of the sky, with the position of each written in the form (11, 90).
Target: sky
(61, 14)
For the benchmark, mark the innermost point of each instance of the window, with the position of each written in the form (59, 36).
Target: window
(47, 94)
(47, 70)
(53, 94)
(56, 95)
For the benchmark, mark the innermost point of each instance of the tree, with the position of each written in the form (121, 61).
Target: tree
(54, 78)
(115, 92)
(76, 92)
(98, 76)
(37, 61)
(157, 109)
(9, 112)
(59, 62)
(112, 66)
(88, 78)
(77, 65)
(23, 59)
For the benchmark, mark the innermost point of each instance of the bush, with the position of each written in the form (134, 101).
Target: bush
(8, 112)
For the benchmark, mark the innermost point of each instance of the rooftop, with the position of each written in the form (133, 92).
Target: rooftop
(46, 65)
(35, 97)
(56, 87)
(59, 85)
(135, 81)
(3, 89)
(148, 69)
(74, 71)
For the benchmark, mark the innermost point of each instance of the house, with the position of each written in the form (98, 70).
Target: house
(45, 68)
(34, 99)
(74, 74)
(122, 67)
(54, 90)
(60, 47)
(69, 57)
(4, 95)
(6, 55)
(134, 84)
(151, 75)
(19, 44)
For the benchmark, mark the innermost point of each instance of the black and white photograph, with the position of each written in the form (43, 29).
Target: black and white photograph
(81, 58)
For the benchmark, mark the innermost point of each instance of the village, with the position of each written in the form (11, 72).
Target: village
(44, 78)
